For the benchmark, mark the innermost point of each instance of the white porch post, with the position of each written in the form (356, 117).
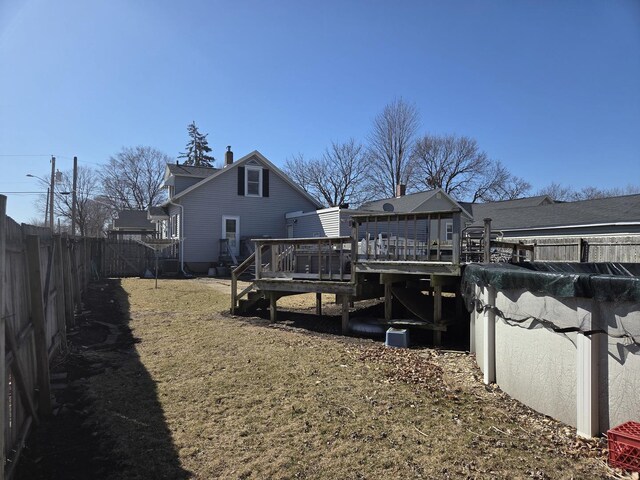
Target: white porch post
(489, 337)
(587, 370)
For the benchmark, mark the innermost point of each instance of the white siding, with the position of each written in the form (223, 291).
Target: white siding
(328, 222)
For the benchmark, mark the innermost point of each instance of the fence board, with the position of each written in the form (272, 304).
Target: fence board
(119, 257)
(3, 320)
(619, 248)
(35, 296)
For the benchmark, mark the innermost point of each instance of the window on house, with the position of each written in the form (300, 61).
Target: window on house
(254, 181)
(449, 231)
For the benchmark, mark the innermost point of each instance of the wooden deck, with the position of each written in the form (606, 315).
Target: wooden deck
(390, 256)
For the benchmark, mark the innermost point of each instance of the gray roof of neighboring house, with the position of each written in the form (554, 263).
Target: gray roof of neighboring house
(488, 210)
(191, 171)
(625, 209)
(132, 220)
(157, 212)
(406, 203)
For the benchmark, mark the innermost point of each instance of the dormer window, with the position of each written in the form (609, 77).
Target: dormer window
(253, 186)
(253, 180)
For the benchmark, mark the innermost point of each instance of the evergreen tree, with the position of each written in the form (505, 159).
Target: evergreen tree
(197, 149)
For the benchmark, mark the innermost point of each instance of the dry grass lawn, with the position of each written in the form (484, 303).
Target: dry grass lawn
(234, 398)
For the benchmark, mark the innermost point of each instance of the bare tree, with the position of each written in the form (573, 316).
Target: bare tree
(458, 166)
(337, 178)
(564, 193)
(297, 168)
(390, 145)
(132, 179)
(497, 183)
(91, 214)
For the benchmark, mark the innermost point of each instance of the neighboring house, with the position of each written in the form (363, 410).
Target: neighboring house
(325, 222)
(132, 224)
(604, 229)
(600, 216)
(243, 200)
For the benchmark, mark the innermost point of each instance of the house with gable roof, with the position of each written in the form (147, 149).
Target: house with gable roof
(602, 229)
(216, 211)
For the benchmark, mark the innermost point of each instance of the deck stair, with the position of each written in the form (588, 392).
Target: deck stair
(256, 299)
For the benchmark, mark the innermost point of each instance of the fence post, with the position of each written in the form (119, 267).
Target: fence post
(60, 292)
(3, 370)
(39, 329)
(68, 282)
(87, 263)
(75, 275)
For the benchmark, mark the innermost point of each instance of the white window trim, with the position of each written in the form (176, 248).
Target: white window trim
(448, 233)
(246, 181)
(237, 232)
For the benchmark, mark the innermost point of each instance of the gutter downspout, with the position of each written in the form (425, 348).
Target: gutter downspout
(182, 238)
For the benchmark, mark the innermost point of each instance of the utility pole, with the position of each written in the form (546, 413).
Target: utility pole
(51, 191)
(46, 208)
(73, 197)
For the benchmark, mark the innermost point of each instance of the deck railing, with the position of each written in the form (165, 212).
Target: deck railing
(326, 258)
(428, 236)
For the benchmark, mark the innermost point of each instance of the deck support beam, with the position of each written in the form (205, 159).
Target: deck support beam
(273, 308)
(388, 302)
(345, 314)
(437, 314)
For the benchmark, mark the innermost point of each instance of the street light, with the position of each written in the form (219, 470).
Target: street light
(46, 210)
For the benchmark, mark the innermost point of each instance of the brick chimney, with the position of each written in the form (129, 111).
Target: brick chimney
(401, 190)
(228, 156)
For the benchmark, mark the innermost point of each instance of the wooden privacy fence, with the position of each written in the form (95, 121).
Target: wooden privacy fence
(619, 248)
(42, 278)
(118, 257)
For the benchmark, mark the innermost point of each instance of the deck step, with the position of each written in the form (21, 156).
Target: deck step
(255, 299)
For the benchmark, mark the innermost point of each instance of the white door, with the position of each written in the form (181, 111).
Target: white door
(231, 231)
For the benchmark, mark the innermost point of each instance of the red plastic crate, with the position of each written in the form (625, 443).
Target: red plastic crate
(624, 446)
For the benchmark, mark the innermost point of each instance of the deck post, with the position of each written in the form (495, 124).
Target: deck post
(273, 308)
(456, 239)
(489, 337)
(234, 292)
(587, 369)
(345, 314)
(487, 240)
(354, 249)
(318, 304)
(388, 302)
(437, 313)
(258, 260)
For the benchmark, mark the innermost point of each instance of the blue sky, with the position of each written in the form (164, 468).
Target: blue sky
(551, 89)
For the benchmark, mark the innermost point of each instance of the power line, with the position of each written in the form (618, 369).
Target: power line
(24, 193)
(23, 155)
